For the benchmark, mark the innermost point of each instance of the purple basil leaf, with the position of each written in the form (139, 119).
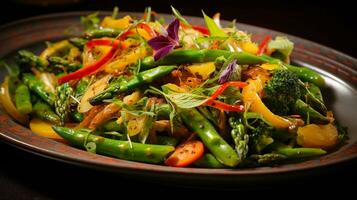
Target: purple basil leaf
(163, 52)
(159, 42)
(172, 30)
(227, 72)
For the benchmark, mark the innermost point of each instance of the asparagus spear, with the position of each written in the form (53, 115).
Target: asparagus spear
(121, 149)
(29, 58)
(39, 88)
(142, 78)
(63, 100)
(240, 137)
(61, 62)
(23, 99)
(43, 111)
(209, 136)
(304, 109)
(78, 42)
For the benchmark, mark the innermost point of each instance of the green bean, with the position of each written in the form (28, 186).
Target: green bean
(142, 78)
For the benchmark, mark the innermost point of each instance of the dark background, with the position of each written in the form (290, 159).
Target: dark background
(27, 176)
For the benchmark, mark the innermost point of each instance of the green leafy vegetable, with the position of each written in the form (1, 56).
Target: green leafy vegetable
(282, 45)
(115, 12)
(178, 15)
(90, 21)
(214, 30)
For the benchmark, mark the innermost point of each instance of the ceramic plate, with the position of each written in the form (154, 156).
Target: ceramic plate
(338, 69)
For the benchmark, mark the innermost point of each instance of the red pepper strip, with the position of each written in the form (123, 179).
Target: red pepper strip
(223, 106)
(198, 28)
(125, 34)
(263, 45)
(223, 87)
(91, 68)
(99, 42)
(201, 29)
(148, 29)
(226, 107)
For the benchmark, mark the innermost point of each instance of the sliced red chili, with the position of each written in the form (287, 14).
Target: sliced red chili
(223, 87)
(201, 29)
(91, 68)
(148, 29)
(263, 45)
(226, 107)
(223, 106)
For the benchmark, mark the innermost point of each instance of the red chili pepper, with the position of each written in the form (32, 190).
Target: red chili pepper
(125, 34)
(263, 45)
(223, 106)
(198, 28)
(148, 29)
(201, 29)
(87, 70)
(226, 107)
(223, 87)
(91, 68)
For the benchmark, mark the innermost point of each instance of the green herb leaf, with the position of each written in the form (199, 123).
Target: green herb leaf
(178, 15)
(187, 100)
(115, 12)
(214, 30)
(90, 21)
(283, 45)
(148, 14)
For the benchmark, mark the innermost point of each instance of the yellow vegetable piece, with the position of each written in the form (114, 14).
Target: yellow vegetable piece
(74, 54)
(249, 47)
(202, 69)
(92, 55)
(136, 124)
(317, 136)
(269, 66)
(252, 101)
(94, 89)
(143, 33)
(126, 59)
(175, 88)
(122, 23)
(44, 129)
(132, 98)
(55, 48)
(7, 103)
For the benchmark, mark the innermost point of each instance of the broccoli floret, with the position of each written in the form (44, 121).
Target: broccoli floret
(260, 137)
(282, 91)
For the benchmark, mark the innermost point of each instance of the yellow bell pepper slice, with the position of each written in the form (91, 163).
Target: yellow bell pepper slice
(252, 101)
(122, 23)
(126, 59)
(44, 129)
(270, 67)
(249, 47)
(317, 136)
(55, 48)
(202, 69)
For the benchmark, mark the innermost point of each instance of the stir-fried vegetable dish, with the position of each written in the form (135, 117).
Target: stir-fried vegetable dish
(172, 93)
